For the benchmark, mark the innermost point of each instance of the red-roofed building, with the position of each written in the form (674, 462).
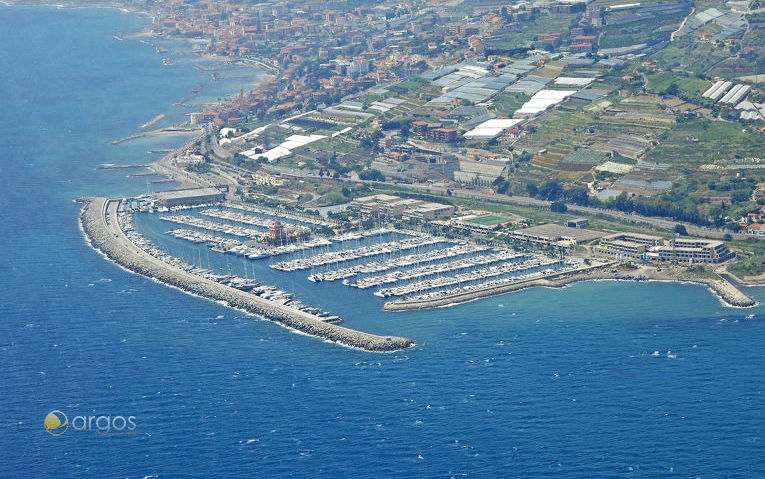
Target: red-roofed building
(581, 48)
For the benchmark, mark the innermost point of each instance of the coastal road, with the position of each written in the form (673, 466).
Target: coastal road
(661, 223)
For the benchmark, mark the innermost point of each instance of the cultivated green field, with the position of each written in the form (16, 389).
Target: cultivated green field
(507, 102)
(716, 140)
(686, 54)
(659, 82)
(751, 256)
(639, 32)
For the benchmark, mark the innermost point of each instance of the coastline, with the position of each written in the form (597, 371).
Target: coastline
(727, 292)
(99, 223)
(115, 6)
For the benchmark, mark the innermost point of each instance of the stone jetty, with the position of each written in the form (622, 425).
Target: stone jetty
(99, 222)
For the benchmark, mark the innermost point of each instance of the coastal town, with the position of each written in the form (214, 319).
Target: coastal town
(435, 153)
(320, 239)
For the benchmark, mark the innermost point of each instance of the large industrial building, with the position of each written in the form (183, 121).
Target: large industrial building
(654, 248)
(555, 235)
(390, 205)
(479, 172)
(191, 196)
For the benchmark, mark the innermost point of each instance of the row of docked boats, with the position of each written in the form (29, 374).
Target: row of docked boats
(200, 237)
(252, 251)
(126, 224)
(359, 235)
(288, 215)
(143, 205)
(434, 269)
(252, 286)
(335, 257)
(398, 262)
(214, 226)
(238, 217)
(474, 275)
(493, 283)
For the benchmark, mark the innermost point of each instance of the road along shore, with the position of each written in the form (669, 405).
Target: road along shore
(99, 222)
(727, 292)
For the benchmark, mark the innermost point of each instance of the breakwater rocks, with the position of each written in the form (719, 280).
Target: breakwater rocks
(730, 294)
(722, 288)
(99, 222)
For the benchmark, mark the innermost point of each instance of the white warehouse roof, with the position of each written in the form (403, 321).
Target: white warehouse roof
(285, 148)
(542, 100)
(492, 128)
(573, 81)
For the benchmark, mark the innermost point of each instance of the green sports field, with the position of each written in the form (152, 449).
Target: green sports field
(489, 220)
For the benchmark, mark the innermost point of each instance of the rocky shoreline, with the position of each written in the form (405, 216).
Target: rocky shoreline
(99, 222)
(727, 292)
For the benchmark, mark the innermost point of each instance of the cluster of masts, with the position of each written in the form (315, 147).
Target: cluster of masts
(434, 269)
(251, 286)
(438, 267)
(401, 261)
(248, 219)
(492, 283)
(233, 246)
(247, 248)
(202, 223)
(478, 274)
(335, 257)
(288, 215)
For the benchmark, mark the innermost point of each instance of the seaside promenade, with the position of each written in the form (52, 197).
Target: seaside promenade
(101, 226)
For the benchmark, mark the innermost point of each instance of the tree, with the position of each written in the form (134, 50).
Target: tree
(577, 195)
(372, 174)
(558, 207)
(532, 189)
(550, 190)
(680, 229)
(524, 156)
(740, 196)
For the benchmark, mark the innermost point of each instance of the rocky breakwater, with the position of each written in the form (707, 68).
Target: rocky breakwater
(730, 294)
(724, 289)
(99, 222)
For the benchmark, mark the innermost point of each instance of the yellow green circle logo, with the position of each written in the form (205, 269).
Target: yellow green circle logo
(56, 423)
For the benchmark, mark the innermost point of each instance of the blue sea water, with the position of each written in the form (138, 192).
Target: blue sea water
(600, 379)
